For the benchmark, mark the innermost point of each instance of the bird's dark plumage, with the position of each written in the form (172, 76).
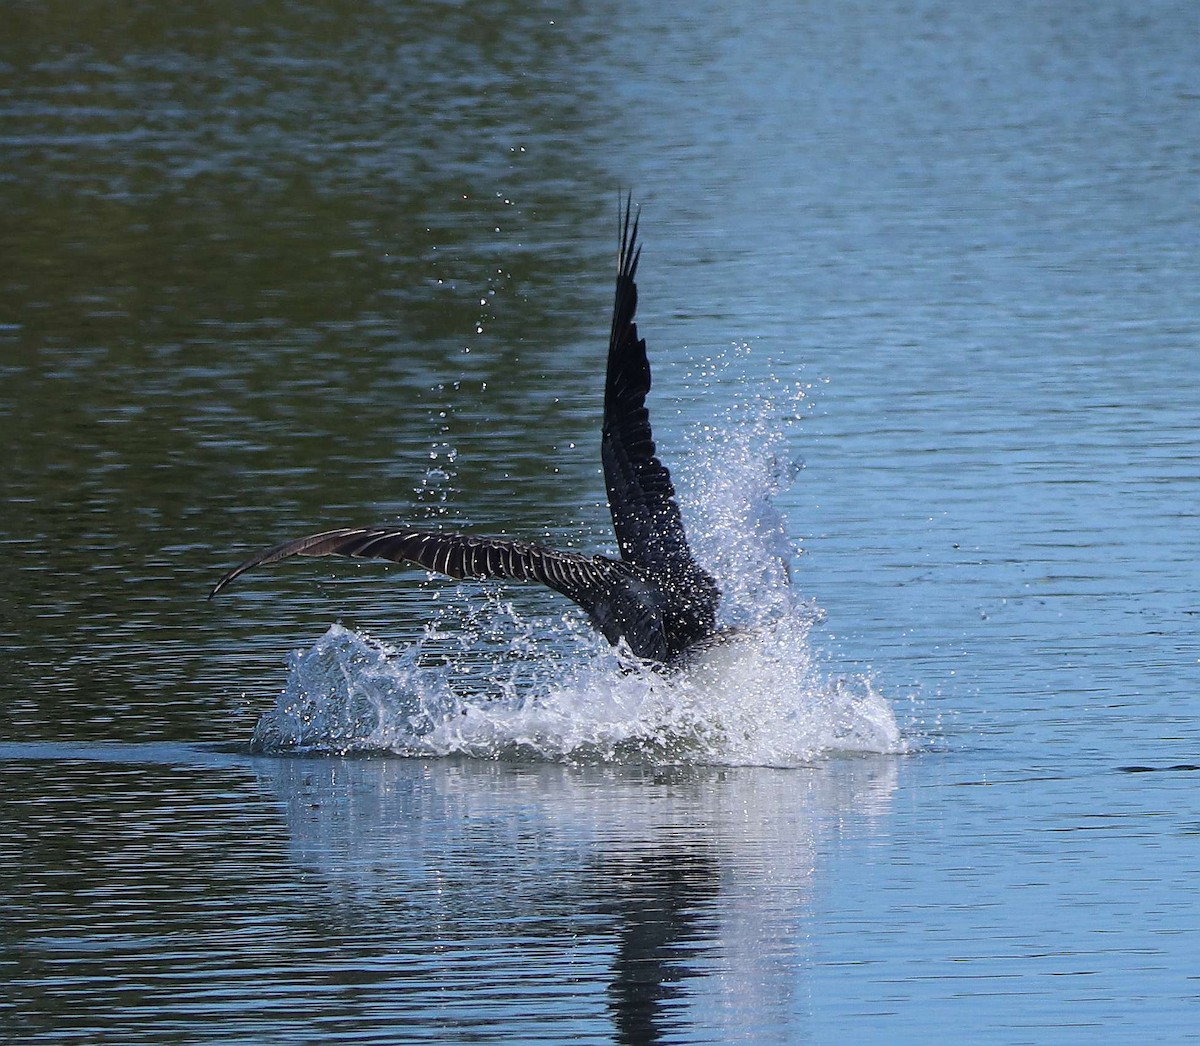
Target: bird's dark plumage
(656, 597)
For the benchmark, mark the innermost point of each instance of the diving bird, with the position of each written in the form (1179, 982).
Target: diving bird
(655, 597)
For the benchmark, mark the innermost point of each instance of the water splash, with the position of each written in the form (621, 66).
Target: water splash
(757, 699)
(742, 462)
(555, 691)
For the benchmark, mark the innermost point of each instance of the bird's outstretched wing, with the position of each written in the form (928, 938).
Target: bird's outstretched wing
(656, 597)
(641, 497)
(583, 579)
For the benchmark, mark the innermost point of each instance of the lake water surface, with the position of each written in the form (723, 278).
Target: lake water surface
(275, 268)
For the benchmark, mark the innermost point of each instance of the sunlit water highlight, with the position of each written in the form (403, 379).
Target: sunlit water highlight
(554, 691)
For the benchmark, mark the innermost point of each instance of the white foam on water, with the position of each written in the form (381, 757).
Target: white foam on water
(555, 691)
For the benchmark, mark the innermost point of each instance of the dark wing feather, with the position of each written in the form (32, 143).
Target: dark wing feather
(587, 580)
(656, 597)
(641, 498)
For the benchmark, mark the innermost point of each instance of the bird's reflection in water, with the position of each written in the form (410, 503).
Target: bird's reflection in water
(659, 901)
(631, 902)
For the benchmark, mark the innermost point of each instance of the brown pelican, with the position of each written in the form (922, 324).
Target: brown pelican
(656, 597)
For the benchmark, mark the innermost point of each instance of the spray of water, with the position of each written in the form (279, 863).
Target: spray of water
(554, 691)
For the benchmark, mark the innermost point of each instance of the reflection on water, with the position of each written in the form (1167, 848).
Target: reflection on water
(522, 901)
(649, 882)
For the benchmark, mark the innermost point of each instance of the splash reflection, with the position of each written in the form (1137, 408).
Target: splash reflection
(655, 899)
